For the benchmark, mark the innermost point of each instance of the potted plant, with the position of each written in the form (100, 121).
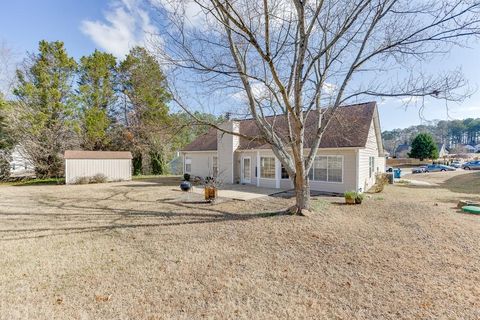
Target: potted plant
(350, 197)
(211, 189)
(359, 198)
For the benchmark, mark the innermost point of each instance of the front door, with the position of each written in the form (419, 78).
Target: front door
(246, 170)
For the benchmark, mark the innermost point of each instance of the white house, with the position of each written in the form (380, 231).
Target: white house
(20, 165)
(469, 148)
(442, 150)
(114, 165)
(350, 153)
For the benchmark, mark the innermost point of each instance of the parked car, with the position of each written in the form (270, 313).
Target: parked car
(438, 167)
(471, 165)
(420, 169)
(456, 164)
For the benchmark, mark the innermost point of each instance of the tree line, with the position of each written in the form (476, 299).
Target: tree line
(96, 103)
(451, 132)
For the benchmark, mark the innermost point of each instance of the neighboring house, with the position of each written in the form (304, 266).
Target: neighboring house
(113, 165)
(350, 153)
(442, 150)
(402, 151)
(469, 148)
(20, 165)
(176, 165)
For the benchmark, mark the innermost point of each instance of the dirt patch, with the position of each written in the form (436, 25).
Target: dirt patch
(132, 250)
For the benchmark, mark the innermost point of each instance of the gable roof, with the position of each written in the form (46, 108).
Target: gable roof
(348, 128)
(80, 154)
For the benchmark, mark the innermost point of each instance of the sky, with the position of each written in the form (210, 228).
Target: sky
(117, 25)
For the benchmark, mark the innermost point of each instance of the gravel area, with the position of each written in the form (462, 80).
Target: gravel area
(140, 250)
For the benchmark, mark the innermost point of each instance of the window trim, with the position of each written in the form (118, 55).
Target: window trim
(213, 171)
(281, 168)
(330, 182)
(262, 171)
(187, 160)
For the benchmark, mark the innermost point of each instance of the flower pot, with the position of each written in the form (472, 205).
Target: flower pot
(349, 200)
(210, 193)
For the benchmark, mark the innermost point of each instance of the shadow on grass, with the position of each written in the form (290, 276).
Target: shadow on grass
(105, 218)
(152, 181)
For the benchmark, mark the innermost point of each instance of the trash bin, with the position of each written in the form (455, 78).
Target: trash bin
(397, 173)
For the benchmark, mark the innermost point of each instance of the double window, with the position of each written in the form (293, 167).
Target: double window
(267, 167)
(188, 165)
(327, 169)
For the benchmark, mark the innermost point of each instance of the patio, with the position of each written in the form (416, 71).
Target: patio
(241, 192)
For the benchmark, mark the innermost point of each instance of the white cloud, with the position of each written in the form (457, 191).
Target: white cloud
(329, 88)
(259, 90)
(126, 25)
(188, 9)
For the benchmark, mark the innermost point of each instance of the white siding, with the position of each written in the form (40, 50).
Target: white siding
(20, 164)
(113, 169)
(349, 173)
(365, 182)
(227, 144)
(202, 163)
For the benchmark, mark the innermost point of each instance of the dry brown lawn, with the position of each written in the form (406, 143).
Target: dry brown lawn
(143, 251)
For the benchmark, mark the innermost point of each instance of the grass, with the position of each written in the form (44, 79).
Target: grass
(152, 176)
(144, 251)
(35, 182)
(319, 205)
(466, 183)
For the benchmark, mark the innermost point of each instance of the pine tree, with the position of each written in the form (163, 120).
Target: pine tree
(96, 96)
(424, 147)
(45, 110)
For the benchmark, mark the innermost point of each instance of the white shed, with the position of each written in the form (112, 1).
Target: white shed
(114, 165)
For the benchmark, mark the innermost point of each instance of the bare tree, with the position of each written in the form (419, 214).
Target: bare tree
(297, 57)
(7, 68)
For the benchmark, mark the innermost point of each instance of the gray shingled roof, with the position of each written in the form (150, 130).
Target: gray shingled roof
(348, 128)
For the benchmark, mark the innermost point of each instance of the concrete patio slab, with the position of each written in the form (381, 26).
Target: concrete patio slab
(241, 192)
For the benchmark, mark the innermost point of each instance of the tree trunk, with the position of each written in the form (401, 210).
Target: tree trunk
(302, 194)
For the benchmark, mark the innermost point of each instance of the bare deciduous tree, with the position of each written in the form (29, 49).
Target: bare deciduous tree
(296, 57)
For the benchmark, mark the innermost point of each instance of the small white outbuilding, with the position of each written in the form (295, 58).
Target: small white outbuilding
(114, 165)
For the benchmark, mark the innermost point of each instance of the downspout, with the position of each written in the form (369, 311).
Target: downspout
(357, 169)
(258, 168)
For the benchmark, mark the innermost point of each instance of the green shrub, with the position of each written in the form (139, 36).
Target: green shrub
(98, 178)
(82, 180)
(359, 198)
(350, 195)
(4, 167)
